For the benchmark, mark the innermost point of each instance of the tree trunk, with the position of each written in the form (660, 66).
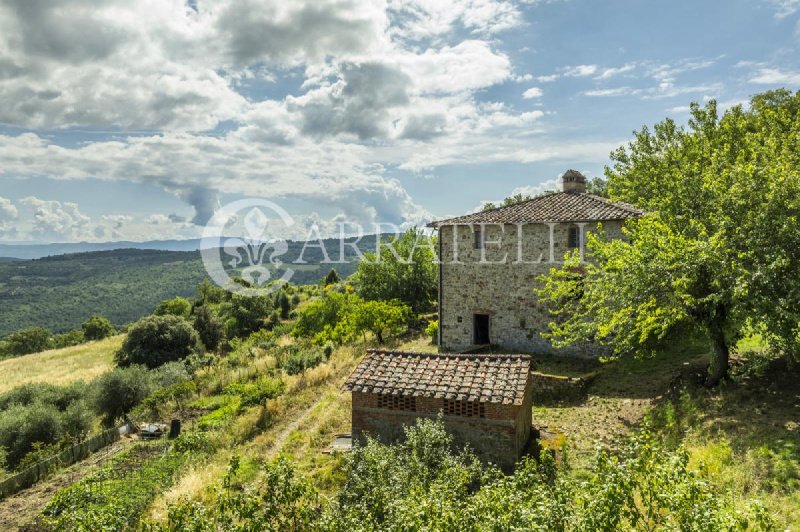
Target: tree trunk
(720, 353)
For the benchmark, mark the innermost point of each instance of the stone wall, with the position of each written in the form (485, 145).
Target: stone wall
(500, 282)
(558, 388)
(500, 437)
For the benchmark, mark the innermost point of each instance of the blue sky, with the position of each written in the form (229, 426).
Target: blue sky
(136, 119)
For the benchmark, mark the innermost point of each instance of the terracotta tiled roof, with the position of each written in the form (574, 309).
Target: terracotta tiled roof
(558, 207)
(483, 378)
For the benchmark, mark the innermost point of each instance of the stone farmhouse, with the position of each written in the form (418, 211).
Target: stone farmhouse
(490, 260)
(485, 400)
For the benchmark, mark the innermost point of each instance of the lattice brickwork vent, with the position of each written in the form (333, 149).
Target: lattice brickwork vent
(397, 402)
(464, 408)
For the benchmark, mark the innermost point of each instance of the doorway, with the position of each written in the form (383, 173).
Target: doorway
(481, 326)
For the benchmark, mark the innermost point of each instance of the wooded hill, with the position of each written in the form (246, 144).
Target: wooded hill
(61, 292)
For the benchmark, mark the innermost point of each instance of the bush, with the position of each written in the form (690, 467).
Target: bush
(422, 483)
(97, 328)
(41, 392)
(178, 306)
(171, 373)
(68, 339)
(300, 361)
(257, 392)
(284, 305)
(31, 340)
(77, 419)
(23, 426)
(154, 404)
(156, 340)
(116, 393)
(328, 350)
(208, 327)
(432, 330)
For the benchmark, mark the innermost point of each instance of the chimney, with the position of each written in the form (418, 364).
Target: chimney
(573, 182)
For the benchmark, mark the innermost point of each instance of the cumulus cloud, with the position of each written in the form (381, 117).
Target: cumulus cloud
(54, 220)
(533, 92)
(8, 212)
(380, 83)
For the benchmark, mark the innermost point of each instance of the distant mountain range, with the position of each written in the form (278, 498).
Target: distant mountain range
(37, 251)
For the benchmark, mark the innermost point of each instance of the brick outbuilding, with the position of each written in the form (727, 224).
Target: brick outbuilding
(485, 400)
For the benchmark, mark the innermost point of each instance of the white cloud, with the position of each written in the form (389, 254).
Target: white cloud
(775, 76)
(547, 79)
(420, 19)
(8, 212)
(533, 92)
(785, 8)
(579, 71)
(615, 71)
(54, 220)
(616, 91)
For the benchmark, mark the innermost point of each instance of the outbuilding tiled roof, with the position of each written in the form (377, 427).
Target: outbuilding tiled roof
(463, 377)
(558, 207)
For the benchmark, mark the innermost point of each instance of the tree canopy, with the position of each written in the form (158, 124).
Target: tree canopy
(156, 340)
(404, 270)
(719, 249)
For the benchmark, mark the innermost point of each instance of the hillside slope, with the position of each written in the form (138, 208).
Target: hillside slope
(61, 292)
(60, 366)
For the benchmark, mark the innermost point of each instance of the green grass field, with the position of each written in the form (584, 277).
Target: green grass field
(83, 362)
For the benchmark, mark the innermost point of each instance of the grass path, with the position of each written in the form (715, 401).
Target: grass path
(22, 508)
(61, 366)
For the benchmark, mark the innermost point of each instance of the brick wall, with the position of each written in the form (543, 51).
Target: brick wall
(498, 437)
(503, 291)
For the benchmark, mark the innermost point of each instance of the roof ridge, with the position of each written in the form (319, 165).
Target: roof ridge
(556, 207)
(620, 204)
(503, 207)
(393, 352)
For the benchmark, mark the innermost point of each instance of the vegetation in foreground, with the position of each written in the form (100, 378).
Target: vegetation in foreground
(422, 483)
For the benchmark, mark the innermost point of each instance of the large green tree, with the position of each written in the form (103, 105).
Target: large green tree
(719, 249)
(403, 269)
(156, 340)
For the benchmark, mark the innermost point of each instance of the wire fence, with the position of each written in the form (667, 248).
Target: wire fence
(41, 470)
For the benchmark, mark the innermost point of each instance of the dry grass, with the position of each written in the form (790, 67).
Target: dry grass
(421, 344)
(305, 420)
(61, 366)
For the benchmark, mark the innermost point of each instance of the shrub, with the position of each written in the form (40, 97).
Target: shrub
(31, 340)
(328, 350)
(257, 392)
(77, 419)
(156, 340)
(97, 328)
(208, 327)
(153, 405)
(178, 306)
(284, 304)
(23, 426)
(69, 339)
(300, 361)
(42, 392)
(171, 373)
(432, 330)
(192, 442)
(117, 392)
